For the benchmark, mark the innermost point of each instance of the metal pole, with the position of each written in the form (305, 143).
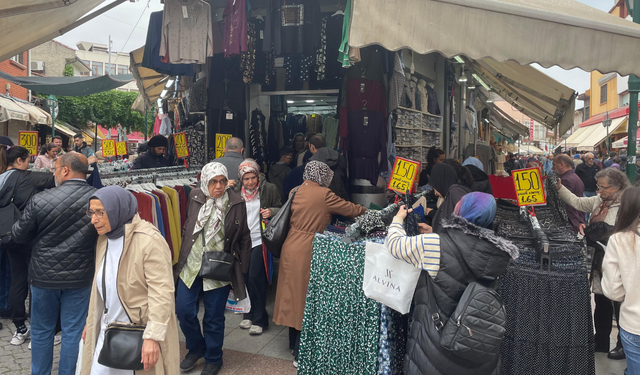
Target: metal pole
(461, 118)
(53, 124)
(634, 88)
(608, 141)
(146, 127)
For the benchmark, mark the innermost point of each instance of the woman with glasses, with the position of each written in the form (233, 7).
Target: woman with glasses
(132, 285)
(17, 186)
(216, 222)
(603, 207)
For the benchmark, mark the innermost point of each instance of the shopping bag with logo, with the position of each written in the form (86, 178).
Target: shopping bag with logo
(388, 280)
(238, 307)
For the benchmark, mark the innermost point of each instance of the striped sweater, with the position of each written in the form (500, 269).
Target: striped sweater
(422, 251)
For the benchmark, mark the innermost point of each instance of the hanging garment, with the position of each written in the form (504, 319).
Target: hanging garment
(187, 32)
(248, 59)
(294, 26)
(338, 337)
(235, 28)
(361, 93)
(367, 145)
(151, 58)
(330, 127)
(321, 53)
(260, 67)
(157, 123)
(165, 126)
(256, 137)
(297, 71)
(333, 68)
(195, 141)
(275, 137)
(432, 98)
(314, 123)
(396, 84)
(485, 153)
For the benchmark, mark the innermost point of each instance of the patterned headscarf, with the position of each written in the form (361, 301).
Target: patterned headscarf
(477, 208)
(249, 166)
(212, 205)
(318, 172)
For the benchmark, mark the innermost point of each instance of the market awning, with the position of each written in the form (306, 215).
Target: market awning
(528, 149)
(150, 83)
(36, 115)
(578, 136)
(548, 32)
(622, 143)
(52, 17)
(65, 129)
(70, 86)
(500, 119)
(530, 91)
(9, 110)
(599, 134)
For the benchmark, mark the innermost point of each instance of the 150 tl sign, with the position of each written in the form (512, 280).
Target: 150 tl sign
(529, 188)
(403, 175)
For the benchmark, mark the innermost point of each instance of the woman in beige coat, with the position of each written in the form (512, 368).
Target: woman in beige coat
(311, 211)
(135, 261)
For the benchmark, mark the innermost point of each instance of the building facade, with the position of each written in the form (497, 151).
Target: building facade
(50, 59)
(16, 66)
(96, 56)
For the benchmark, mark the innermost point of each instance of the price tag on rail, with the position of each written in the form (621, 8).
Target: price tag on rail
(108, 148)
(29, 140)
(121, 148)
(221, 144)
(403, 176)
(529, 187)
(182, 149)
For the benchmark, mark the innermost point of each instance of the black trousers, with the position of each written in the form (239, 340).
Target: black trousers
(257, 284)
(603, 320)
(19, 257)
(294, 341)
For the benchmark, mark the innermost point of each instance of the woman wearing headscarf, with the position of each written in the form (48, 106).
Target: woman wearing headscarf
(480, 178)
(132, 285)
(263, 201)
(466, 250)
(311, 210)
(449, 190)
(216, 221)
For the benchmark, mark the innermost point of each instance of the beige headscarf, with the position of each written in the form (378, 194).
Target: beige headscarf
(212, 205)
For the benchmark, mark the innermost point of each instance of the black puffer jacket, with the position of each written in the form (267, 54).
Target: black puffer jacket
(26, 185)
(486, 256)
(64, 249)
(148, 160)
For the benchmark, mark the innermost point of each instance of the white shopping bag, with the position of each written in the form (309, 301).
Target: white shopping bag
(388, 280)
(79, 362)
(239, 307)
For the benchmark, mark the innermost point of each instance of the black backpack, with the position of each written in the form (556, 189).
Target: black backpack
(476, 328)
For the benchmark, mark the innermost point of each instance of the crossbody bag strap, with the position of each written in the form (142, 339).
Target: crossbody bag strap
(104, 283)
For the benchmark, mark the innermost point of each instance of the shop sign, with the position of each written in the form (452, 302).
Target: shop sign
(108, 148)
(403, 175)
(29, 140)
(182, 149)
(121, 148)
(529, 188)
(531, 129)
(221, 144)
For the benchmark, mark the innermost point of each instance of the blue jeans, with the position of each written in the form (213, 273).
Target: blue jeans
(588, 214)
(631, 345)
(5, 280)
(187, 305)
(72, 306)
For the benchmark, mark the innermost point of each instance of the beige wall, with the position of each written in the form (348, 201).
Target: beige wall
(54, 55)
(121, 59)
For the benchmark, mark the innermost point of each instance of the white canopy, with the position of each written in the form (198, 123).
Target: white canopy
(549, 32)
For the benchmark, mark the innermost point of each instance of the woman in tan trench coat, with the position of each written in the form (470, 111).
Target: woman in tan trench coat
(139, 285)
(311, 211)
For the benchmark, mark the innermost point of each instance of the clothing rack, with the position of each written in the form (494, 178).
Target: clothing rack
(151, 175)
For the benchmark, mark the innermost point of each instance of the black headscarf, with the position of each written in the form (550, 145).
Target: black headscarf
(443, 176)
(121, 206)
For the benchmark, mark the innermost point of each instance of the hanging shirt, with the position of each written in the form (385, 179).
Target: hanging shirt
(116, 312)
(235, 28)
(165, 126)
(367, 146)
(187, 32)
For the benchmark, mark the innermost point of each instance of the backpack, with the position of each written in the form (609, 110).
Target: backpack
(476, 328)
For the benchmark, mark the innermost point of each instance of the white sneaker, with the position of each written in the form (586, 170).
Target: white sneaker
(245, 324)
(255, 330)
(56, 340)
(19, 338)
(295, 364)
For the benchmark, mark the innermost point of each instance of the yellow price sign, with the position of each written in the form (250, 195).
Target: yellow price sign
(403, 176)
(108, 148)
(182, 149)
(221, 144)
(529, 188)
(29, 140)
(121, 148)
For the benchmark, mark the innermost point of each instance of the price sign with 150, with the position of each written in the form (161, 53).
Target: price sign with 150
(29, 140)
(403, 175)
(529, 188)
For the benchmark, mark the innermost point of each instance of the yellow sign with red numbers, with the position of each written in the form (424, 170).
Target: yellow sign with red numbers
(403, 175)
(529, 187)
(121, 148)
(182, 149)
(29, 140)
(108, 148)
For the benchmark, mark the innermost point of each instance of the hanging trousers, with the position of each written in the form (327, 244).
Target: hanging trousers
(603, 320)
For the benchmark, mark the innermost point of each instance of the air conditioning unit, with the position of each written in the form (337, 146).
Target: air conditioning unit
(37, 65)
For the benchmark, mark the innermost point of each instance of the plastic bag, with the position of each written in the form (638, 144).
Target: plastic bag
(388, 280)
(79, 361)
(238, 307)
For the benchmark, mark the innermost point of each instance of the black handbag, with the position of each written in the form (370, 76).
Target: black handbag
(122, 345)
(276, 231)
(9, 214)
(216, 265)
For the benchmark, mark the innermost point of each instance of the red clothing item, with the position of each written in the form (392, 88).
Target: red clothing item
(156, 125)
(145, 203)
(165, 219)
(182, 198)
(503, 187)
(362, 93)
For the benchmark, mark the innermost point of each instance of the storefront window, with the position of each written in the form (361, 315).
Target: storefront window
(96, 68)
(110, 68)
(123, 69)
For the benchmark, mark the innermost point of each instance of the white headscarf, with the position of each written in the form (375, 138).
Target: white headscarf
(212, 205)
